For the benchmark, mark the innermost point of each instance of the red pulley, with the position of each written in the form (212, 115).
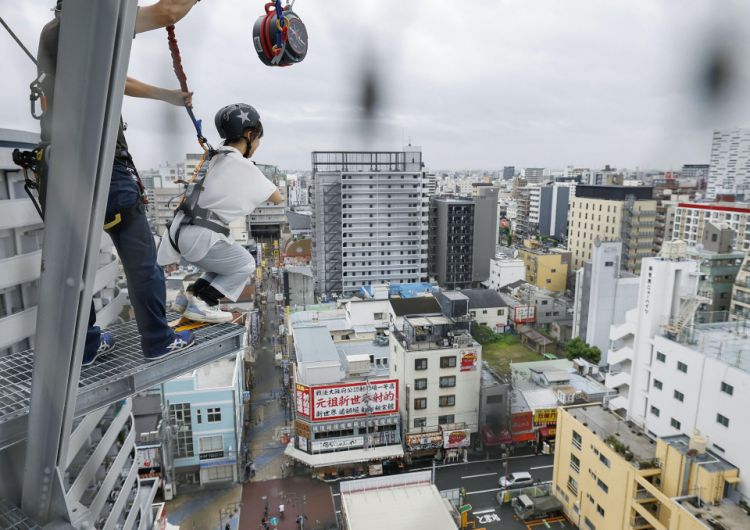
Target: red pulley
(277, 44)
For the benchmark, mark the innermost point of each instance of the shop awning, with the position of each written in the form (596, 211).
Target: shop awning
(524, 437)
(338, 458)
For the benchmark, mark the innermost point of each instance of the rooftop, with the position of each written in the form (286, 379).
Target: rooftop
(483, 298)
(314, 344)
(218, 374)
(298, 221)
(604, 424)
(727, 515)
(728, 342)
(708, 460)
(420, 305)
(397, 508)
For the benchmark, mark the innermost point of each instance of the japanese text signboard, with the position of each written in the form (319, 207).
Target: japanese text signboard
(302, 400)
(458, 438)
(353, 399)
(545, 416)
(520, 421)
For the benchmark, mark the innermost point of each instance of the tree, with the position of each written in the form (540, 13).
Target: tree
(577, 348)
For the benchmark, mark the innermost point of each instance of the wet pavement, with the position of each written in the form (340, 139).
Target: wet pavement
(202, 510)
(299, 495)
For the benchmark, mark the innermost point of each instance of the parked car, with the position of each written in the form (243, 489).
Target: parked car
(519, 479)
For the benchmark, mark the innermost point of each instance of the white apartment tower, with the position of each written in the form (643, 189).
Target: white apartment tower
(370, 219)
(666, 295)
(729, 172)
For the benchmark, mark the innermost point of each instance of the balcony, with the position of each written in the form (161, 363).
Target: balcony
(621, 331)
(618, 379)
(620, 355)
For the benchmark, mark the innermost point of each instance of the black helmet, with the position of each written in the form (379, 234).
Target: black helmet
(231, 121)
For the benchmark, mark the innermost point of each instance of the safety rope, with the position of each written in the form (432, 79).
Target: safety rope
(182, 78)
(18, 41)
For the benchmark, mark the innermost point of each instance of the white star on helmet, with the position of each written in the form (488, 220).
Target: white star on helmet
(243, 116)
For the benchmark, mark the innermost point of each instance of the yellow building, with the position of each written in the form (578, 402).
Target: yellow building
(546, 268)
(611, 213)
(610, 476)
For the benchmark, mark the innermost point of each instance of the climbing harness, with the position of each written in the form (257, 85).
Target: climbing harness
(280, 36)
(34, 162)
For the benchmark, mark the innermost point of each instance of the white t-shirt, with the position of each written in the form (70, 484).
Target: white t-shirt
(233, 188)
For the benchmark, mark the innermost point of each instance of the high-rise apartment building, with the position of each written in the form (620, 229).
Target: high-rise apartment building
(509, 172)
(462, 238)
(369, 219)
(534, 175)
(691, 219)
(610, 213)
(552, 212)
(739, 308)
(729, 173)
(718, 267)
(603, 295)
(666, 293)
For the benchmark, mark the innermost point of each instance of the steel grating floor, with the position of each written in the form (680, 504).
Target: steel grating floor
(11, 518)
(114, 376)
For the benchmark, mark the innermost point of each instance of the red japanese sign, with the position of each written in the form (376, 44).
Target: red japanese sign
(521, 421)
(302, 399)
(353, 399)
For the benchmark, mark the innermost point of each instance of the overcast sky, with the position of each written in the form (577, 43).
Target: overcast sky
(485, 84)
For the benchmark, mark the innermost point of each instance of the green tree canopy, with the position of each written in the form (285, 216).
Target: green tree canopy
(577, 348)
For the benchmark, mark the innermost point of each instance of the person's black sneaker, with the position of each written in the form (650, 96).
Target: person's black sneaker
(182, 341)
(106, 345)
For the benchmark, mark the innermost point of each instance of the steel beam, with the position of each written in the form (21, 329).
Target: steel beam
(94, 49)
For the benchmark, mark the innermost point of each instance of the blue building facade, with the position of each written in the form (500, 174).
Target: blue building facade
(206, 411)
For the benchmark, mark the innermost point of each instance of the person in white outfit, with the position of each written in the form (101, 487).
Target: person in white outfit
(232, 188)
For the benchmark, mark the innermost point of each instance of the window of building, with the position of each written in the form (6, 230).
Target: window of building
(180, 413)
(602, 485)
(723, 420)
(449, 381)
(420, 403)
(600, 510)
(727, 388)
(575, 463)
(654, 411)
(679, 396)
(420, 384)
(658, 384)
(214, 415)
(661, 357)
(447, 401)
(577, 439)
(572, 485)
(420, 422)
(420, 364)
(604, 460)
(211, 443)
(448, 362)
(675, 424)
(220, 473)
(199, 416)
(446, 419)
(682, 367)
(497, 398)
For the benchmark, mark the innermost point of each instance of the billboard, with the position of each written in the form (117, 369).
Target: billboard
(523, 314)
(457, 438)
(425, 440)
(468, 361)
(338, 443)
(545, 416)
(302, 399)
(350, 400)
(520, 421)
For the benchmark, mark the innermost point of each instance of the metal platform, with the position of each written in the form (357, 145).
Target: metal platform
(115, 376)
(12, 518)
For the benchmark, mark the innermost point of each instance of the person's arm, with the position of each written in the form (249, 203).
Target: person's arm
(139, 89)
(276, 197)
(162, 14)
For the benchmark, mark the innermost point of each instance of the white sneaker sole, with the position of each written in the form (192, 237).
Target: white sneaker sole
(197, 317)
